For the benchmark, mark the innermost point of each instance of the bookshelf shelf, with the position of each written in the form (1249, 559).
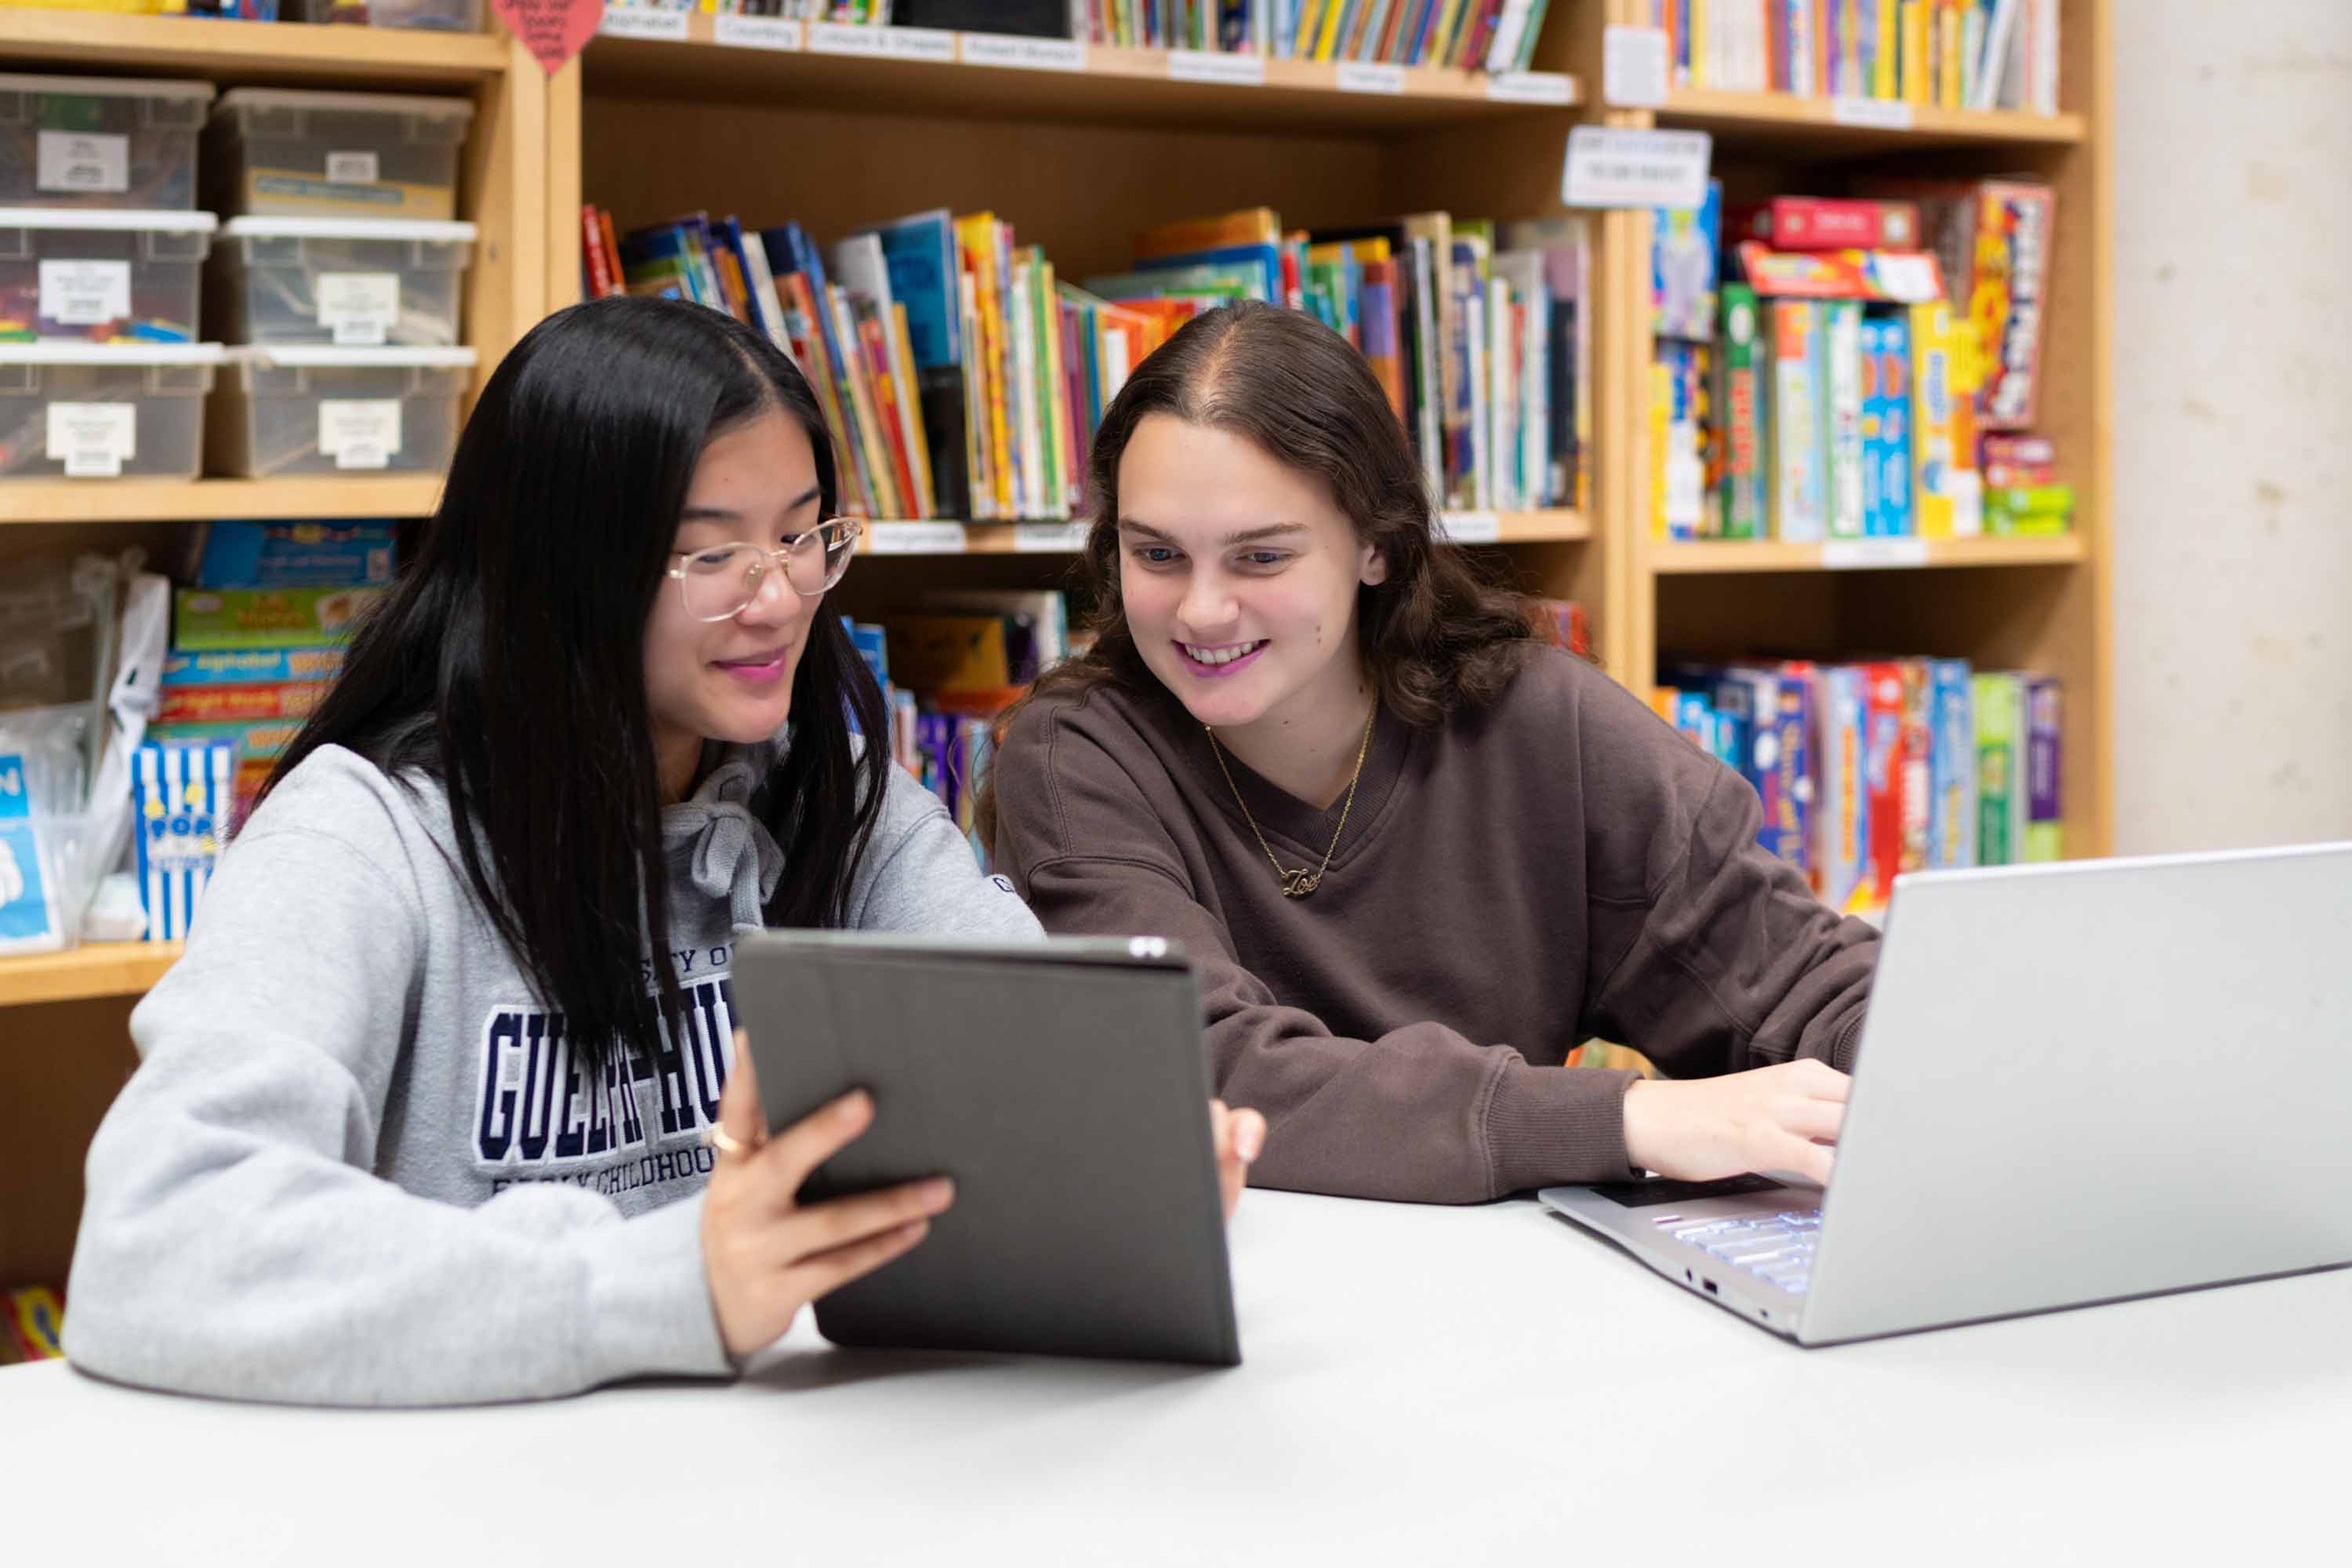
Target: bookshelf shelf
(92, 970)
(1847, 127)
(179, 500)
(940, 538)
(232, 52)
(1713, 556)
(1117, 86)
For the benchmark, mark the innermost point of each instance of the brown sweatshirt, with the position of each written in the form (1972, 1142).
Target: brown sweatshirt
(1557, 866)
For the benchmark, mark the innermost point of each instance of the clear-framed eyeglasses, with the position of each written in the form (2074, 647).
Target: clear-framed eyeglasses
(719, 583)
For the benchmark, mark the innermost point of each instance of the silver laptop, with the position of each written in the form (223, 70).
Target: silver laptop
(2078, 1083)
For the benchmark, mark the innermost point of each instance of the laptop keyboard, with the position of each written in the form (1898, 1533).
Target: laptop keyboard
(1778, 1249)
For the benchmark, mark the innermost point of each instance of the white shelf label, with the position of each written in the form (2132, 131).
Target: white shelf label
(93, 440)
(1049, 538)
(360, 433)
(913, 539)
(1358, 76)
(85, 293)
(936, 45)
(1862, 554)
(353, 168)
(738, 31)
(70, 160)
(643, 21)
(360, 309)
(1873, 114)
(1469, 527)
(1213, 65)
(848, 38)
(1633, 66)
(1531, 86)
(1611, 167)
(1024, 54)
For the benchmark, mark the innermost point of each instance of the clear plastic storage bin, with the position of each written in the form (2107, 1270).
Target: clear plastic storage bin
(101, 277)
(100, 141)
(103, 410)
(349, 281)
(324, 410)
(278, 152)
(430, 16)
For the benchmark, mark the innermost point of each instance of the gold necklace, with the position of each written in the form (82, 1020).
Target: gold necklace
(1297, 884)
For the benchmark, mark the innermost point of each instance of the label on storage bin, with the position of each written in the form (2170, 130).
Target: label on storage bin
(73, 161)
(738, 31)
(85, 293)
(359, 308)
(1024, 53)
(360, 433)
(353, 168)
(93, 440)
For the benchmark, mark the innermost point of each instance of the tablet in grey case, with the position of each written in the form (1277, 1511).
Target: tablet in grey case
(1063, 1084)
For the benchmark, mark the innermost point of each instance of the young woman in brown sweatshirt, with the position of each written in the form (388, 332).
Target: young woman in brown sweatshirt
(1416, 856)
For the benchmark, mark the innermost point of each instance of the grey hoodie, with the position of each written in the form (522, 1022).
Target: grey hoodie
(358, 1165)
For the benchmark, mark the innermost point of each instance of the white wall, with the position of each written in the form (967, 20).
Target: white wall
(2234, 423)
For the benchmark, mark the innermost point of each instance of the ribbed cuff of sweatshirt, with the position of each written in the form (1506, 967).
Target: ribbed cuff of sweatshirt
(649, 1309)
(1547, 1126)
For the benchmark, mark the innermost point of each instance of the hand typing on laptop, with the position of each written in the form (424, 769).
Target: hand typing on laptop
(1781, 1118)
(766, 1254)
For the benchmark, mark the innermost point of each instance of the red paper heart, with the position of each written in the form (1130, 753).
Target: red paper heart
(552, 30)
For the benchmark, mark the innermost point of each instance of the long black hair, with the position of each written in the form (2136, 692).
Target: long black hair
(508, 660)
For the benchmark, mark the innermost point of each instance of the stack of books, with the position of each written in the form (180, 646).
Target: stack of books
(1870, 770)
(1870, 368)
(259, 638)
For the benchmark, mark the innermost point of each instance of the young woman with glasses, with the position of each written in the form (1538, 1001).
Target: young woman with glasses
(425, 1115)
(1418, 856)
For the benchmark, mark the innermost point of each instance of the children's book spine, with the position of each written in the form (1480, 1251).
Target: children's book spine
(2044, 806)
(1843, 347)
(1797, 444)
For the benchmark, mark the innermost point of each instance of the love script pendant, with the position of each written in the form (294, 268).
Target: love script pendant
(1299, 883)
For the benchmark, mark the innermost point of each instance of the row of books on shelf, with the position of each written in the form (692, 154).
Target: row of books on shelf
(963, 377)
(1870, 770)
(1948, 54)
(1854, 367)
(1475, 34)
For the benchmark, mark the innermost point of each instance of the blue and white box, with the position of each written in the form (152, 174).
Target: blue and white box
(182, 794)
(31, 886)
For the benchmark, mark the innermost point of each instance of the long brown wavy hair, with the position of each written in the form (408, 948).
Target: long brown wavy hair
(1437, 634)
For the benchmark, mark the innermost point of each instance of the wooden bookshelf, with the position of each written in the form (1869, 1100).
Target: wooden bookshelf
(1843, 127)
(237, 53)
(1706, 556)
(178, 500)
(2042, 604)
(94, 970)
(920, 71)
(64, 1048)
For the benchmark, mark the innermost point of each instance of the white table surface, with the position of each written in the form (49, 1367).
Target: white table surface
(1423, 1385)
